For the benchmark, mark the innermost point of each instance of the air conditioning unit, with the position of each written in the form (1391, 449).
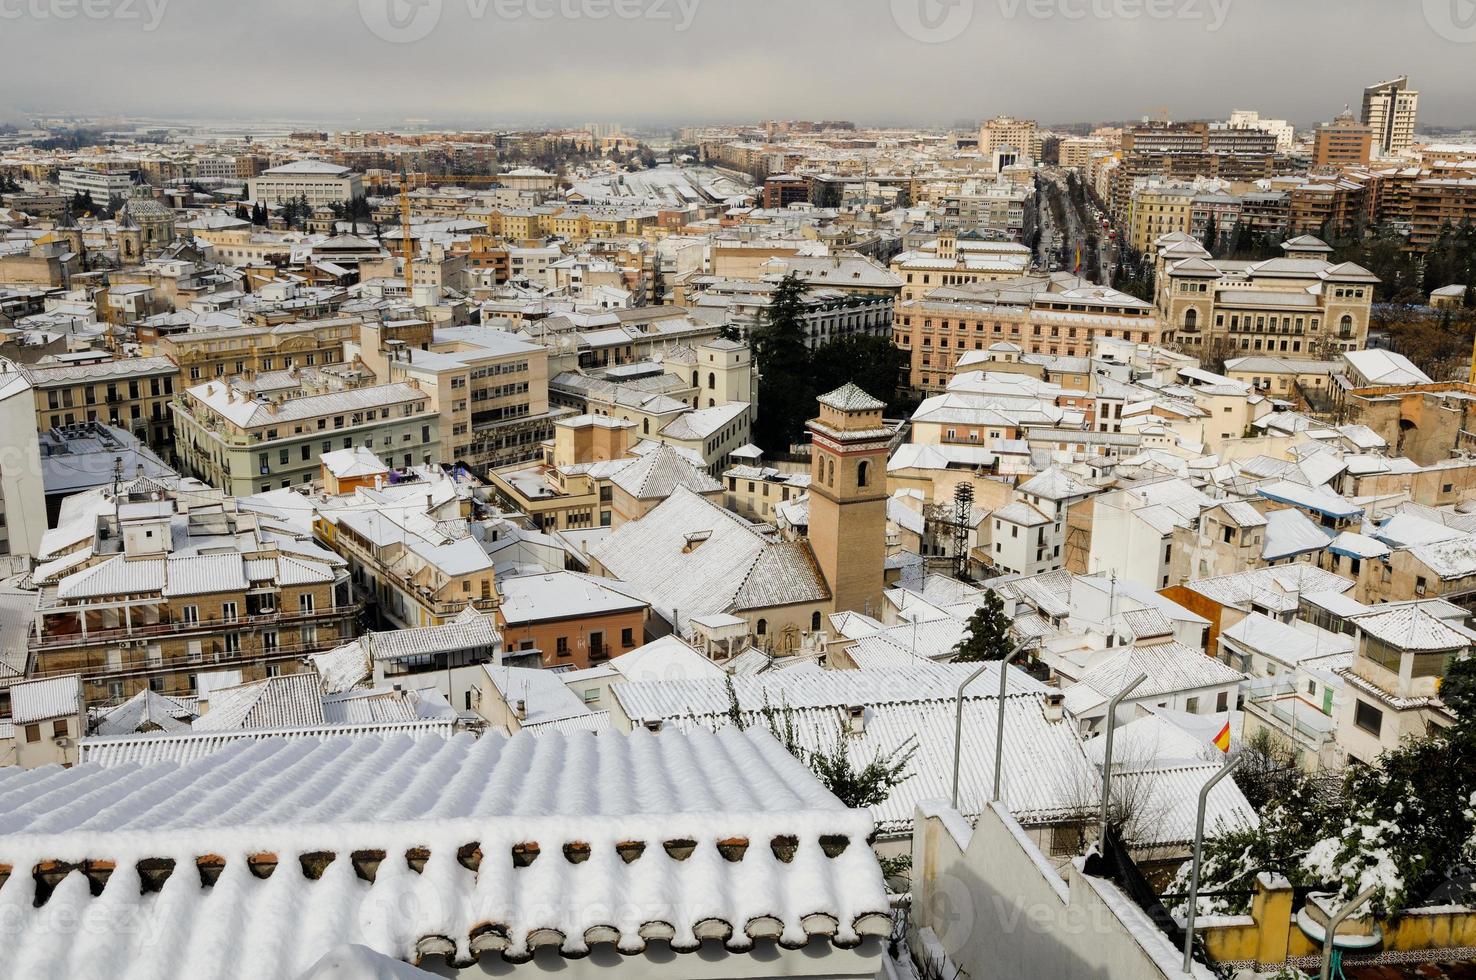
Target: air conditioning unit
(63, 742)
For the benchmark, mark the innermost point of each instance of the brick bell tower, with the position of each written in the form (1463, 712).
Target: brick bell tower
(848, 497)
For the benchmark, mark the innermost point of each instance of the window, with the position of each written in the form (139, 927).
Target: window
(863, 474)
(1222, 702)
(762, 628)
(1368, 718)
(33, 733)
(305, 602)
(627, 638)
(561, 646)
(190, 614)
(1065, 839)
(227, 610)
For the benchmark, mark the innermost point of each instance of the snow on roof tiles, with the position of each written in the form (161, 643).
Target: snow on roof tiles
(32, 701)
(562, 595)
(1290, 532)
(1046, 774)
(656, 474)
(1412, 628)
(144, 712)
(665, 557)
(850, 398)
(347, 797)
(1171, 668)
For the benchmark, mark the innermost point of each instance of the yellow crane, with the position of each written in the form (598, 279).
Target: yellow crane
(407, 246)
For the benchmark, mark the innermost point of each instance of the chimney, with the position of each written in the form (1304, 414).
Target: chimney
(856, 719)
(520, 709)
(1055, 706)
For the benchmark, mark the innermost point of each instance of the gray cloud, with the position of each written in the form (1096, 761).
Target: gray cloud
(501, 61)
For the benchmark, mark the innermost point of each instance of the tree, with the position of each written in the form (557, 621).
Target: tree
(1403, 825)
(786, 388)
(873, 363)
(988, 633)
(857, 786)
(1212, 236)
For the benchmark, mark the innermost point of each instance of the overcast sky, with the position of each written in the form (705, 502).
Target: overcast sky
(875, 61)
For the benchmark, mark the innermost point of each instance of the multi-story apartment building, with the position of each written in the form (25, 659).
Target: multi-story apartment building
(149, 588)
(1006, 133)
(1343, 142)
(99, 184)
(1224, 209)
(205, 355)
(1437, 203)
(1331, 206)
(1056, 315)
(409, 545)
(1390, 111)
(489, 388)
(951, 261)
(319, 182)
(1159, 210)
(1300, 305)
(1189, 150)
(1076, 152)
(996, 211)
(828, 314)
(1284, 131)
(131, 393)
(244, 442)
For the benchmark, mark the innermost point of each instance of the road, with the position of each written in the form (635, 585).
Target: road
(1081, 223)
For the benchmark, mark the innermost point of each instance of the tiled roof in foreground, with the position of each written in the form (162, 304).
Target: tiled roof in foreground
(257, 860)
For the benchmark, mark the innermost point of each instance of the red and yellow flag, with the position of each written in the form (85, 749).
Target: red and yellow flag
(1222, 740)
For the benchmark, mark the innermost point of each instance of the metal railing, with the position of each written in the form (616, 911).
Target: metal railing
(208, 626)
(213, 660)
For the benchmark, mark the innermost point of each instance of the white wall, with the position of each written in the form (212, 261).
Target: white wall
(21, 489)
(999, 909)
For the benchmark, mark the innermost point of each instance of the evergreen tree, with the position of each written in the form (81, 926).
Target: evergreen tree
(786, 389)
(988, 633)
(1212, 237)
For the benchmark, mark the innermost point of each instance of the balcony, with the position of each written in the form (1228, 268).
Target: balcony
(54, 640)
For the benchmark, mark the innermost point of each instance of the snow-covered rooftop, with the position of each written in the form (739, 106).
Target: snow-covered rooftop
(262, 856)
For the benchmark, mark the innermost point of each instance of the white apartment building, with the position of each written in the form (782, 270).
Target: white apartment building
(321, 183)
(1390, 110)
(100, 185)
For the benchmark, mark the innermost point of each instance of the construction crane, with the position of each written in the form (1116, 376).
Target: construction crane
(407, 247)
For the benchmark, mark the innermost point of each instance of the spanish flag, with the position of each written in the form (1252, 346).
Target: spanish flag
(1222, 740)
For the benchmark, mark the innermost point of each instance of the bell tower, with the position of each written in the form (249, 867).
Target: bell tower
(848, 497)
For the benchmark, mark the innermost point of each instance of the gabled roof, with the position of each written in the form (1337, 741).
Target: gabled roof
(146, 711)
(1056, 484)
(288, 701)
(690, 556)
(656, 474)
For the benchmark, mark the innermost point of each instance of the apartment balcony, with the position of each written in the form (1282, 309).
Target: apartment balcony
(96, 676)
(56, 637)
